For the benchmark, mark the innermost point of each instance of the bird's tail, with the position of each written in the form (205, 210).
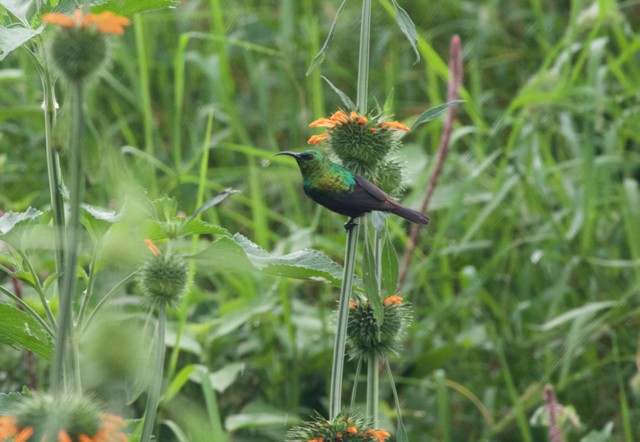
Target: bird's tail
(410, 215)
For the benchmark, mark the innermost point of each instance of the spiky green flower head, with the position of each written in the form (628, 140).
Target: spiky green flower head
(61, 418)
(367, 338)
(346, 427)
(359, 142)
(163, 278)
(79, 48)
(390, 176)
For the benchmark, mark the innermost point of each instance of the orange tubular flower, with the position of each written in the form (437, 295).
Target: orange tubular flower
(381, 435)
(24, 435)
(8, 427)
(394, 125)
(155, 250)
(395, 299)
(323, 122)
(317, 139)
(352, 430)
(105, 22)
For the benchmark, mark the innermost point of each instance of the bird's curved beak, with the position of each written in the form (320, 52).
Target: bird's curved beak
(291, 154)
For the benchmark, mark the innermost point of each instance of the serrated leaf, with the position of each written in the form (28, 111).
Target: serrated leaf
(343, 97)
(224, 254)
(11, 219)
(199, 227)
(98, 219)
(12, 38)
(18, 328)
(8, 402)
(302, 264)
(434, 112)
(128, 7)
(319, 58)
(18, 8)
(407, 27)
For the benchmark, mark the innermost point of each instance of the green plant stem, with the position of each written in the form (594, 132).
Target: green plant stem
(53, 168)
(39, 289)
(337, 368)
(63, 374)
(373, 388)
(156, 382)
(145, 94)
(213, 411)
(363, 58)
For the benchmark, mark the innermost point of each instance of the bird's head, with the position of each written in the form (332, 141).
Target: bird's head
(308, 160)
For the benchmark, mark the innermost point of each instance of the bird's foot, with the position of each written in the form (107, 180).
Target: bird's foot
(350, 223)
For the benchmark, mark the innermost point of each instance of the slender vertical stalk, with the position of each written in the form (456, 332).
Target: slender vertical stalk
(337, 368)
(53, 165)
(63, 374)
(156, 382)
(373, 388)
(145, 94)
(363, 58)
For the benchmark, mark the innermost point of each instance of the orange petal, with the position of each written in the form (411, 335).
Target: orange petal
(317, 139)
(354, 115)
(84, 438)
(24, 435)
(340, 117)
(107, 22)
(352, 430)
(395, 125)
(63, 436)
(323, 122)
(156, 251)
(59, 19)
(395, 299)
(362, 119)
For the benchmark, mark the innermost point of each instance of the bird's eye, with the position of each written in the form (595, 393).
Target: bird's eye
(307, 156)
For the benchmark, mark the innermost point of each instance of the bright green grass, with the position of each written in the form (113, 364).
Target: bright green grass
(529, 273)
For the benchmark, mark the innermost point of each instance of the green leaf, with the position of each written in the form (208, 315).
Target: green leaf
(18, 328)
(434, 112)
(8, 402)
(224, 254)
(11, 219)
(319, 58)
(18, 8)
(226, 376)
(213, 202)
(389, 267)
(344, 97)
(256, 420)
(128, 7)
(407, 27)
(199, 227)
(303, 264)
(371, 283)
(585, 310)
(178, 382)
(12, 38)
(98, 219)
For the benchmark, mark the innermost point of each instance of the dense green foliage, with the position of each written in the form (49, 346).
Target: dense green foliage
(528, 274)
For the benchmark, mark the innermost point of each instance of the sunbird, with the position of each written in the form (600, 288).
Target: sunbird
(342, 191)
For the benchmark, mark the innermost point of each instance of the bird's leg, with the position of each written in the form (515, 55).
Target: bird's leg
(350, 223)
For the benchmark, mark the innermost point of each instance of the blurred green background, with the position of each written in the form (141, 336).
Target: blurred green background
(528, 274)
